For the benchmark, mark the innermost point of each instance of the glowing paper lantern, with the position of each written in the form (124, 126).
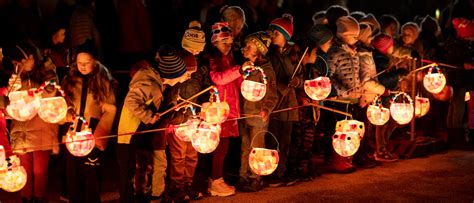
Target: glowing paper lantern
(15, 82)
(377, 114)
(185, 130)
(53, 109)
(80, 143)
(252, 90)
(402, 113)
(346, 143)
(351, 126)
(14, 178)
(318, 89)
(434, 82)
(23, 105)
(206, 138)
(263, 161)
(422, 106)
(215, 112)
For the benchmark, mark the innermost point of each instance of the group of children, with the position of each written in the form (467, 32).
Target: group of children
(360, 54)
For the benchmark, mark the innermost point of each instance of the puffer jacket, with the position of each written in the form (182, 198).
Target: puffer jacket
(268, 102)
(344, 66)
(227, 78)
(100, 115)
(370, 85)
(146, 88)
(35, 134)
(284, 65)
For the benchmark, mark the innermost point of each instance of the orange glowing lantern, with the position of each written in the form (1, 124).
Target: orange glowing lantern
(376, 113)
(422, 106)
(206, 138)
(185, 130)
(346, 143)
(263, 161)
(434, 82)
(351, 126)
(53, 109)
(252, 90)
(402, 112)
(215, 112)
(80, 143)
(14, 178)
(23, 105)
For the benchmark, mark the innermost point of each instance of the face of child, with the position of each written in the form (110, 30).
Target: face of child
(350, 39)
(250, 51)
(85, 63)
(223, 46)
(408, 36)
(59, 36)
(325, 47)
(180, 79)
(192, 51)
(25, 64)
(236, 25)
(278, 39)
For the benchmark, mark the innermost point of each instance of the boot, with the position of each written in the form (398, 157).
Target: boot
(220, 188)
(339, 164)
(193, 194)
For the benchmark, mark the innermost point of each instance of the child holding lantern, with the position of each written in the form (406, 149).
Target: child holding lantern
(255, 49)
(226, 75)
(90, 89)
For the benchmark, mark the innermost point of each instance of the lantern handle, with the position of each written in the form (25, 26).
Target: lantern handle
(402, 94)
(325, 63)
(76, 119)
(250, 69)
(52, 83)
(264, 131)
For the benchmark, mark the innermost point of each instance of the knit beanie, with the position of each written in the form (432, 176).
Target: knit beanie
(372, 21)
(284, 25)
(320, 34)
(347, 26)
(170, 64)
(194, 38)
(429, 24)
(87, 47)
(464, 27)
(413, 28)
(365, 32)
(382, 42)
(221, 31)
(261, 39)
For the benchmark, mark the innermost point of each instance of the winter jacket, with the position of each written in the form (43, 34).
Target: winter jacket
(345, 71)
(390, 78)
(227, 78)
(145, 89)
(99, 115)
(268, 102)
(370, 85)
(198, 81)
(35, 134)
(284, 65)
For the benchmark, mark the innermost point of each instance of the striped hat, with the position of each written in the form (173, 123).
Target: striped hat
(170, 64)
(284, 25)
(261, 39)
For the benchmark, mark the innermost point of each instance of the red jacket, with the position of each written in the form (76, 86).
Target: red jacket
(227, 78)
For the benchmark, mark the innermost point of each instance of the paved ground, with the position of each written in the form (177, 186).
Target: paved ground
(447, 177)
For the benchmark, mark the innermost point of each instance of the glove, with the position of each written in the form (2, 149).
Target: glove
(295, 82)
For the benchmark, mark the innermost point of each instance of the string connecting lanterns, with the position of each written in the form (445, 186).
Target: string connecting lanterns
(80, 143)
(402, 112)
(263, 161)
(252, 90)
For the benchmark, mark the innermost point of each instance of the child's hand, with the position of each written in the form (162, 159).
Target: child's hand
(265, 116)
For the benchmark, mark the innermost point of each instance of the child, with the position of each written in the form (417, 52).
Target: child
(284, 60)
(226, 75)
(140, 112)
(256, 47)
(90, 88)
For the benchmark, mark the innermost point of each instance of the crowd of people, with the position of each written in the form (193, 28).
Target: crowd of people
(363, 55)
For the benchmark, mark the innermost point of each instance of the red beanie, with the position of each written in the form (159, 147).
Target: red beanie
(284, 25)
(382, 42)
(464, 27)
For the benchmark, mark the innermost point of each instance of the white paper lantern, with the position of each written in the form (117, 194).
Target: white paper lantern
(24, 104)
(207, 137)
(185, 130)
(402, 112)
(351, 126)
(14, 178)
(318, 89)
(252, 90)
(263, 161)
(346, 143)
(215, 112)
(80, 143)
(434, 82)
(377, 114)
(53, 109)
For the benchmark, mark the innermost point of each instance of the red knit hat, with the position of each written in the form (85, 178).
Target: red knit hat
(221, 31)
(464, 27)
(382, 42)
(284, 25)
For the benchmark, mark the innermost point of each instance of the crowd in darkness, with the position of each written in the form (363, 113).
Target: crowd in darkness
(121, 63)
